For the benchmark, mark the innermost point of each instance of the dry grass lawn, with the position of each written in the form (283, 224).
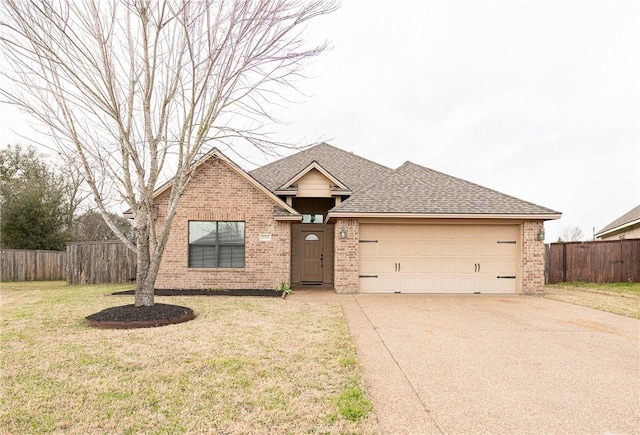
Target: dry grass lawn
(244, 365)
(619, 298)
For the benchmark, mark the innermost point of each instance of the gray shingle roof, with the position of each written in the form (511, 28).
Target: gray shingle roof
(415, 189)
(354, 171)
(630, 216)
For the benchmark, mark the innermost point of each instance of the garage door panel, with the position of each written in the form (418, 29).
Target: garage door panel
(439, 258)
(490, 284)
(497, 267)
(377, 266)
(370, 285)
(496, 249)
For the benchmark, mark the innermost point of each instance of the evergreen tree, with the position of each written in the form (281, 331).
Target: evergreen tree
(33, 209)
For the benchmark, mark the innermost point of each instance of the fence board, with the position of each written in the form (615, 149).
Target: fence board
(100, 262)
(28, 265)
(600, 261)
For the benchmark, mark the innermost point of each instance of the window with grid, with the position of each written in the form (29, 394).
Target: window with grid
(216, 244)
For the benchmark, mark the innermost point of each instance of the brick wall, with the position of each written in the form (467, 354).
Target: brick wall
(533, 253)
(346, 260)
(217, 192)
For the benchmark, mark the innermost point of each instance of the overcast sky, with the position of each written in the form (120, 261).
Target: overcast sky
(536, 99)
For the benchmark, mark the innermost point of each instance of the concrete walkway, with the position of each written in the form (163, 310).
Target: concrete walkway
(499, 364)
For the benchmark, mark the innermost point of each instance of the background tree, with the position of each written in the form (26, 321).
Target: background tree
(571, 234)
(132, 87)
(34, 202)
(90, 226)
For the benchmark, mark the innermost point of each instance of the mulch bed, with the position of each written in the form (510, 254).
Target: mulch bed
(130, 316)
(209, 292)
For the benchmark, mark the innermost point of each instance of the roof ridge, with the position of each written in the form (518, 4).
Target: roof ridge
(307, 148)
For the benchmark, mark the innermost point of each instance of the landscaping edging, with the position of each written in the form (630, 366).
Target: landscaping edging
(131, 317)
(207, 292)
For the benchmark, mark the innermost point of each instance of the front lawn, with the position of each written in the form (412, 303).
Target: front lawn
(620, 298)
(244, 365)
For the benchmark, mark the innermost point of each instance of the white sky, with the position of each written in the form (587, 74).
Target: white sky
(536, 99)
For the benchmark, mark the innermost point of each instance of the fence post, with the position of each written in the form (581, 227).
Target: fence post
(564, 262)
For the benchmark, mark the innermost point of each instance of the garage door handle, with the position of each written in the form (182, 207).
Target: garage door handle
(478, 267)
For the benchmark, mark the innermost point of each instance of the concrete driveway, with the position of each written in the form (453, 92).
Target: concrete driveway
(499, 364)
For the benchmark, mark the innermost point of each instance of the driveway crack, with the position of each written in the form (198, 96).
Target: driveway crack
(395, 361)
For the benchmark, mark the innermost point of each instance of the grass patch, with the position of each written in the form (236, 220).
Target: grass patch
(629, 288)
(244, 365)
(619, 298)
(352, 403)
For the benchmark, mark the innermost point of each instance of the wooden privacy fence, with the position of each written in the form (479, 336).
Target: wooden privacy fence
(27, 265)
(603, 261)
(100, 262)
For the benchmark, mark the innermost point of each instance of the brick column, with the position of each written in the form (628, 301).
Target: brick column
(532, 257)
(346, 259)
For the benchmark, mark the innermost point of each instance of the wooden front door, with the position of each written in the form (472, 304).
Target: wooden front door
(312, 256)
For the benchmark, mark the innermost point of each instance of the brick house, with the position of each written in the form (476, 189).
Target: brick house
(325, 217)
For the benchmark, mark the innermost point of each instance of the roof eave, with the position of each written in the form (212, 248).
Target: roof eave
(288, 218)
(618, 228)
(541, 216)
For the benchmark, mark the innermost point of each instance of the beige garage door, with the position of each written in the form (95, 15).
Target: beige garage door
(438, 258)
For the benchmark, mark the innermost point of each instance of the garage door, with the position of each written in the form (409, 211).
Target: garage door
(438, 258)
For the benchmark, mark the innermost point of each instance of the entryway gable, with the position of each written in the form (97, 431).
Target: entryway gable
(316, 169)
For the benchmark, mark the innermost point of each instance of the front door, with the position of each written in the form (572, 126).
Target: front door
(312, 255)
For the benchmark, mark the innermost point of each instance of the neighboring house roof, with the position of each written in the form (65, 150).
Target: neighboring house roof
(631, 218)
(415, 190)
(353, 171)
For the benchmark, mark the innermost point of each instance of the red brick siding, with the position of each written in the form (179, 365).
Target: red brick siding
(533, 253)
(217, 192)
(346, 260)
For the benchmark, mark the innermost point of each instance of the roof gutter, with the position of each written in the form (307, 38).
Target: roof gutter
(542, 216)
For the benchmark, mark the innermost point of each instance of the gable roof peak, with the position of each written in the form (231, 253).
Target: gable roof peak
(314, 165)
(353, 171)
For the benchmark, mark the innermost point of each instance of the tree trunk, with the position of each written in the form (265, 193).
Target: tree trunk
(145, 276)
(144, 281)
(144, 294)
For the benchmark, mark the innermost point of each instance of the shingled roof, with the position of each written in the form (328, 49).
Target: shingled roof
(354, 171)
(414, 189)
(627, 219)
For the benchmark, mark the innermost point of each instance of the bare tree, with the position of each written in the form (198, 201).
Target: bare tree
(133, 87)
(571, 234)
